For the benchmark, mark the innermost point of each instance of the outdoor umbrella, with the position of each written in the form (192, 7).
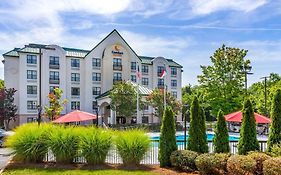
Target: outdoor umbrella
(75, 116)
(237, 117)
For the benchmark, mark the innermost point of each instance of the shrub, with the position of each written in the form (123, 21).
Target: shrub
(240, 165)
(167, 141)
(29, 142)
(221, 141)
(275, 126)
(132, 146)
(184, 160)
(272, 166)
(212, 163)
(275, 151)
(248, 137)
(259, 157)
(63, 141)
(95, 144)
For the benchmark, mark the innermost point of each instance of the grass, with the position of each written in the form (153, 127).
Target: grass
(31, 171)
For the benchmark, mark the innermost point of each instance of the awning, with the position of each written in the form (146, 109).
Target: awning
(75, 116)
(237, 117)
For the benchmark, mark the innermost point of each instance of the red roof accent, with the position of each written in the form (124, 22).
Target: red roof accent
(75, 116)
(237, 117)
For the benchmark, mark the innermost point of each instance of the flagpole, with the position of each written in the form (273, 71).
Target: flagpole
(164, 78)
(138, 111)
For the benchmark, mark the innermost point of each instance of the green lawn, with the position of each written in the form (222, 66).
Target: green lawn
(30, 171)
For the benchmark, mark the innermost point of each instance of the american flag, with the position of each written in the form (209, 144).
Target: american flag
(138, 73)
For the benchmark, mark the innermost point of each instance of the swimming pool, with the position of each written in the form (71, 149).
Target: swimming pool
(209, 137)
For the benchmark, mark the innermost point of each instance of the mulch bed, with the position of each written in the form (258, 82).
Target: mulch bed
(152, 168)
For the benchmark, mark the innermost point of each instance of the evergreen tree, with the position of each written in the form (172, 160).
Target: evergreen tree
(275, 127)
(221, 142)
(248, 137)
(197, 139)
(167, 142)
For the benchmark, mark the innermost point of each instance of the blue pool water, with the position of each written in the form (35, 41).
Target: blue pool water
(209, 137)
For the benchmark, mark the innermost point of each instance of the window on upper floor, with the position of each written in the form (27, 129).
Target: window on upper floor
(54, 60)
(160, 70)
(174, 83)
(52, 88)
(145, 107)
(96, 62)
(174, 94)
(133, 78)
(144, 81)
(144, 69)
(160, 83)
(96, 76)
(173, 71)
(54, 75)
(31, 74)
(75, 105)
(75, 91)
(96, 90)
(31, 89)
(117, 64)
(75, 77)
(133, 66)
(117, 77)
(75, 63)
(31, 105)
(31, 59)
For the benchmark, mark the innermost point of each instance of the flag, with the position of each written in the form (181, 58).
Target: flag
(163, 73)
(138, 73)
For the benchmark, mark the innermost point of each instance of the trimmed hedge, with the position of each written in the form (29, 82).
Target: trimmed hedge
(272, 166)
(240, 165)
(259, 157)
(184, 160)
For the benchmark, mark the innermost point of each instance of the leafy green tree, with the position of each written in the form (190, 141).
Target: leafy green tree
(248, 137)
(1, 84)
(223, 81)
(275, 127)
(167, 142)
(156, 99)
(7, 107)
(53, 111)
(220, 140)
(197, 139)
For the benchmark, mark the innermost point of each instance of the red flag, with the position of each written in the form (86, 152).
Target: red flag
(138, 73)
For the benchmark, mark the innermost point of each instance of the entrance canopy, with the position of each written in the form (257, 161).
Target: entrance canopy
(75, 116)
(237, 117)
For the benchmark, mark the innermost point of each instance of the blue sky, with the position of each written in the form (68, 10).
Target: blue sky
(187, 31)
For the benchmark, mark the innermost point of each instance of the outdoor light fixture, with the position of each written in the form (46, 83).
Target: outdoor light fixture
(246, 70)
(39, 109)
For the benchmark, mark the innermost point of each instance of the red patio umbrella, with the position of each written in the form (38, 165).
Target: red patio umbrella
(237, 117)
(75, 116)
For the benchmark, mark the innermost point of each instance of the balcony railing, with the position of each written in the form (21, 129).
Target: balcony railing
(54, 66)
(117, 67)
(53, 81)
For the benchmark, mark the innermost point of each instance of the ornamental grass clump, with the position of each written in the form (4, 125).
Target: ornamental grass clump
(132, 146)
(64, 142)
(95, 144)
(29, 142)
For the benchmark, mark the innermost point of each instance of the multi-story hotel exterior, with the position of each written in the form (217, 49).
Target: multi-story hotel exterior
(83, 75)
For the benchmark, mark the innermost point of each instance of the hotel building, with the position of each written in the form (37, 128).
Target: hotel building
(85, 76)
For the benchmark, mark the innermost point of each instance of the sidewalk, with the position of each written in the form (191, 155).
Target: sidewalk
(5, 156)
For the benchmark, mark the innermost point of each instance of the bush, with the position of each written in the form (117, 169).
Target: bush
(240, 165)
(275, 151)
(184, 160)
(167, 142)
(63, 141)
(132, 146)
(212, 163)
(29, 142)
(259, 157)
(272, 166)
(95, 144)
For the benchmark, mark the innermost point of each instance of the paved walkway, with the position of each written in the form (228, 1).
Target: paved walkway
(5, 156)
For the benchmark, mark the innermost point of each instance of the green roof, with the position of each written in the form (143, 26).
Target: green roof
(149, 60)
(12, 53)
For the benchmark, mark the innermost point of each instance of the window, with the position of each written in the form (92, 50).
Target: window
(31, 59)
(75, 77)
(54, 75)
(145, 107)
(75, 105)
(144, 81)
(174, 94)
(75, 63)
(96, 76)
(133, 66)
(174, 83)
(31, 74)
(117, 62)
(160, 82)
(160, 69)
(31, 89)
(173, 71)
(144, 119)
(52, 88)
(75, 91)
(95, 105)
(133, 78)
(144, 69)
(54, 60)
(31, 119)
(117, 77)
(96, 62)
(96, 90)
(31, 105)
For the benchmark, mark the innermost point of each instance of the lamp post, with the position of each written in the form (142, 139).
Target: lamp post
(39, 108)
(185, 120)
(96, 109)
(246, 70)
(265, 95)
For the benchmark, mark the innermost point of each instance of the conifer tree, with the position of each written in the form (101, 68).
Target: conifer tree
(167, 142)
(220, 140)
(275, 127)
(248, 137)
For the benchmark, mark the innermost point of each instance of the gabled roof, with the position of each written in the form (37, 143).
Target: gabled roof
(149, 60)
(12, 53)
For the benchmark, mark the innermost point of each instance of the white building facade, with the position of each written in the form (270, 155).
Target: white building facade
(83, 75)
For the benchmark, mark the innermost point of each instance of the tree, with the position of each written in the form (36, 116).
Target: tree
(248, 137)
(56, 104)
(220, 140)
(275, 127)
(156, 99)
(223, 81)
(7, 107)
(197, 138)
(167, 142)
(1, 84)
